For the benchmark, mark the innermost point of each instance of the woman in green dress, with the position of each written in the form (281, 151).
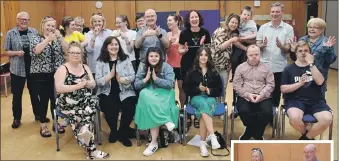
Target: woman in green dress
(203, 84)
(156, 104)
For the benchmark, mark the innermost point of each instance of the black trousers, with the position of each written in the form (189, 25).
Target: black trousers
(276, 93)
(17, 87)
(44, 88)
(111, 105)
(255, 116)
(238, 57)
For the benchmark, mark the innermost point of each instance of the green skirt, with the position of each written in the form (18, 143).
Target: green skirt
(156, 107)
(203, 104)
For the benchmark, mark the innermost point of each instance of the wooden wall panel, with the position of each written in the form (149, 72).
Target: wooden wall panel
(87, 9)
(177, 6)
(37, 10)
(11, 9)
(281, 152)
(124, 8)
(60, 11)
(201, 5)
(73, 8)
(3, 29)
(299, 15)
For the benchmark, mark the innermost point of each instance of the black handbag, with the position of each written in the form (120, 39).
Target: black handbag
(4, 68)
(222, 143)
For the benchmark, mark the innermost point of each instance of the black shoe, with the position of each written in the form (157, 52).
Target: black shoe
(37, 118)
(112, 138)
(304, 137)
(131, 133)
(125, 141)
(246, 135)
(16, 124)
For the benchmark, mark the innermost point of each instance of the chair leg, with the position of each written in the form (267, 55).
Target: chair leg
(273, 126)
(185, 126)
(56, 130)
(330, 131)
(232, 126)
(5, 81)
(283, 125)
(137, 134)
(225, 125)
(180, 129)
(98, 128)
(278, 124)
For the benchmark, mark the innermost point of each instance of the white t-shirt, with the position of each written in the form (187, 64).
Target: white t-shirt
(248, 28)
(131, 37)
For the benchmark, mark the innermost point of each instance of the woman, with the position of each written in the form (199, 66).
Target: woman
(127, 38)
(203, 85)
(174, 23)
(74, 82)
(257, 154)
(69, 32)
(97, 36)
(115, 74)
(47, 51)
(156, 104)
(190, 40)
(321, 46)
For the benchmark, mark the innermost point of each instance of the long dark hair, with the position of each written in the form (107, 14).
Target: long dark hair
(66, 22)
(104, 53)
(209, 64)
(158, 66)
(187, 19)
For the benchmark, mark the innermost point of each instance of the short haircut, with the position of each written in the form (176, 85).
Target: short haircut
(138, 16)
(317, 21)
(277, 4)
(247, 8)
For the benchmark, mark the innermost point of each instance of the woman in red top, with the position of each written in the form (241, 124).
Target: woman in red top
(174, 23)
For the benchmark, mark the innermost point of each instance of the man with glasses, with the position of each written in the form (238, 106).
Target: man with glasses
(310, 152)
(17, 48)
(151, 36)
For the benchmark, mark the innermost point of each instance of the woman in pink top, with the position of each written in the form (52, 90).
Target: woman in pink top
(174, 23)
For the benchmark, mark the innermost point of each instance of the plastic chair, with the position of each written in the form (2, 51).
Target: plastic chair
(307, 119)
(5, 75)
(235, 112)
(221, 109)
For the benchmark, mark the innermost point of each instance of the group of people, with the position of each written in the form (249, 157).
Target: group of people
(134, 72)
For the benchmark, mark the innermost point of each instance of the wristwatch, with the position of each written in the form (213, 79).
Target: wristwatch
(159, 36)
(311, 65)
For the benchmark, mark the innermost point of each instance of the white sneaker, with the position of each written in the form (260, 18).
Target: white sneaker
(203, 149)
(222, 117)
(214, 141)
(170, 126)
(151, 149)
(119, 117)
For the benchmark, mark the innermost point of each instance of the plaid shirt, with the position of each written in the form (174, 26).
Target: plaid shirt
(13, 43)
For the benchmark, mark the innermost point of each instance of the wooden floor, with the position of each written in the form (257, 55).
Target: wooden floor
(26, 142)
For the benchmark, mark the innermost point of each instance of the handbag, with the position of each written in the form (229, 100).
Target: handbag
(222, 143)
(4, 68)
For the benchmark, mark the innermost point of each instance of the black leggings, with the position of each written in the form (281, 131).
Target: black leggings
(111, 105)
(255, 116)
(238, 57)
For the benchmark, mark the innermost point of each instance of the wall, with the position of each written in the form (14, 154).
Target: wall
(281, 151)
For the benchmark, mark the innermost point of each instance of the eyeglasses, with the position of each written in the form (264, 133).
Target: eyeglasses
(117, 23)
(151, 16)
(314, 27)
(23, 20)
(100, 14)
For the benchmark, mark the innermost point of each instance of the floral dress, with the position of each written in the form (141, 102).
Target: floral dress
(80, 106)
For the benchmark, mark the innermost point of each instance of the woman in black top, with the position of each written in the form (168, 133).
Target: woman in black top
(203, 84)
(190, 40)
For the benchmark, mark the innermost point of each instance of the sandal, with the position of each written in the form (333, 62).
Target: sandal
(44, 132)
(61, 129)
(99, 155)
(196, 123)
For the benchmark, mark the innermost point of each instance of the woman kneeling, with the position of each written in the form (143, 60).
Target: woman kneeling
(203, 85)
(156, 104)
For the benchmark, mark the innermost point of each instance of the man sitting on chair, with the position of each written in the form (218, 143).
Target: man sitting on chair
(254, 84)
(301, 84)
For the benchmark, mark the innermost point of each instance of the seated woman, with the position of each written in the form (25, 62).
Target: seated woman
(73, 83)
(115, 74)
(257, 154)
(156, 104)
(203, 84)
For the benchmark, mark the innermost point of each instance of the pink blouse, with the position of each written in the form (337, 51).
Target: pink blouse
(173, 55)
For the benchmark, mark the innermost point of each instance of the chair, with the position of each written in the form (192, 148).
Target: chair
(221, 109)
(57, 113)
(307, 119)
(235, 112)
(137, 132)
(5, 75)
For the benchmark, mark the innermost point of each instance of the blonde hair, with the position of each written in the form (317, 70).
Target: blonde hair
(78, 45)
(317, 21)
(259, 151)
(79, 19)
(45, 20)
(277, 4)
(301, 44)
(96, 16)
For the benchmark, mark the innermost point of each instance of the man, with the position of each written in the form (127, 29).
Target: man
(310, 152)
(151, 36)
(301, 85)
(254, 82)
(273, 38)
(17, 48)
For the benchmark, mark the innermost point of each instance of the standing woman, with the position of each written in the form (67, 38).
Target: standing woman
(223, 40)
(156, 104)
(203, 84)
(73, 82)
(96, 38)
(191, 39)
(174, 23)
(69, 32)
(47, 51)
(115, 75)
(127, 38)
(80, 25)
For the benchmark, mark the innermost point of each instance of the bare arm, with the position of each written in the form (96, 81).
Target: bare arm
(91, 83)
(240, 45)
(60, 86)
(317, 76)
(164, 40)
(41, 46)
(288, 88)
(139, 41)
(84, 42)
(12, 53)
(260, 44)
